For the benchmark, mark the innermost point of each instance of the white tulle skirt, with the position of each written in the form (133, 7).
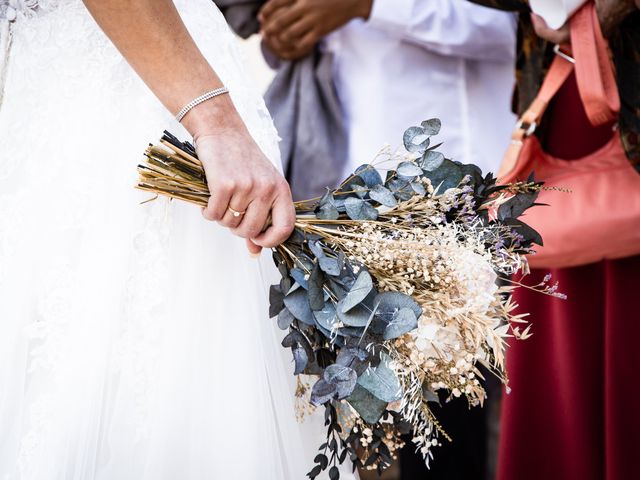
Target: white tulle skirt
(134, 339)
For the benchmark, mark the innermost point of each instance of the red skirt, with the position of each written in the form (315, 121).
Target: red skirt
(572, 412)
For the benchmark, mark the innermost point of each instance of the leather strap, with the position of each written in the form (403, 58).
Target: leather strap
(594, 68)
(596, 82)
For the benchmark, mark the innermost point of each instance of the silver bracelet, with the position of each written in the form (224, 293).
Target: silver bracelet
(197, 101)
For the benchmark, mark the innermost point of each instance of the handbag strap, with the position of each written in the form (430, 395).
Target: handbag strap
(594, 68)
(596, 83)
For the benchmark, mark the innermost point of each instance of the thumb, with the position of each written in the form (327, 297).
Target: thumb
(254, 250)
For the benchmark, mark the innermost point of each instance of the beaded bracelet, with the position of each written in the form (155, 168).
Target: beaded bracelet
(197, 101)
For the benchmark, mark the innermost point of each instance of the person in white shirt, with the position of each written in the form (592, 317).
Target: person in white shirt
(395, 64)
(398, 62)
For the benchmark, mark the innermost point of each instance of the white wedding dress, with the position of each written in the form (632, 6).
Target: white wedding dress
(135, 342)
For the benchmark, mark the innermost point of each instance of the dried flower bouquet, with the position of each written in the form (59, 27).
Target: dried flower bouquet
(389, 291)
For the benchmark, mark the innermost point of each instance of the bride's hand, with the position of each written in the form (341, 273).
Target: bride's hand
(148, 32)
(241, 178)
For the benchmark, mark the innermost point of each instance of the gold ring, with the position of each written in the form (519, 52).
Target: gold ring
(235, 212)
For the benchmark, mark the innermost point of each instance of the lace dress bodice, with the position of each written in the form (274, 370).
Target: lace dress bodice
(10, 10)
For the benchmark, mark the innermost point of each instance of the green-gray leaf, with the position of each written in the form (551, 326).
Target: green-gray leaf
(382, 382)
(383, 195)
(358, 292)
(369, 174)
(403, 321)
(300, 358)
(431, 160)
(330, 266)
(316, 293)
(326, 318)
(357, 316)
(322, 392)
(285, 318)
(432, 126)
(344, 378)
(358, 209)
(299, 276)
(415, 140)
(390, 303)
(409, 169)
(298, 304)
(367, 405)
(327, 211)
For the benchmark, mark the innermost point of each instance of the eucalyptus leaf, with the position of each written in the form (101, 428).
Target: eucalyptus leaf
(330, 266)
(322, 392)
(415, 140)
(381, 381)
(432, 126)
(357, 316)
(276, 298)
(403, 321)
(431, 160)
(344, 378)
(350, 332)
(300, 358)
(358, 209)
(327, 211)
(285, 318)
(326, 318)
(358, 190)
(419, 188)
(383, 195)
(298, 304)
(409, 169)
(296, 339)
(369, 407)
(316, 292)
(353, 357)
(448, 175)
(369, 175)
(358, 292)
(316, 248)
(390, 303)
(300, 277)
(401, 188)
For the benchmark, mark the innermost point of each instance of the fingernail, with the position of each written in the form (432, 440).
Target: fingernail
(254, 255)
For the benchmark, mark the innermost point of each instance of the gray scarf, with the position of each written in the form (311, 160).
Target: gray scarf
(304, 106)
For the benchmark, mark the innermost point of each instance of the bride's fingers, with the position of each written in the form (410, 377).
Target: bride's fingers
(254, 249)
(254, 220)
(283, 217)
(218, 202)
(235, 212)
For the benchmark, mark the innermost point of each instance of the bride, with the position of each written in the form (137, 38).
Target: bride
(134, 342)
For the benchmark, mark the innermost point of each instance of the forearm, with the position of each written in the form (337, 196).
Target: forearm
(152, 37)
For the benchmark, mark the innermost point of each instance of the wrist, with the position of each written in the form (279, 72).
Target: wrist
(213, 117)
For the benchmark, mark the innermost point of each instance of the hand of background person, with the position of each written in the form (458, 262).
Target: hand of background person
(291, 28)
(610, 13)
(559, 36)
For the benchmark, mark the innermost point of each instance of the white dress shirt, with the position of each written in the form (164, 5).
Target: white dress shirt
(418, 59)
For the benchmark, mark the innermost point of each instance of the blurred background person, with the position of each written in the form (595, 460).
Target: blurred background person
(571, 412)
(392, 64)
